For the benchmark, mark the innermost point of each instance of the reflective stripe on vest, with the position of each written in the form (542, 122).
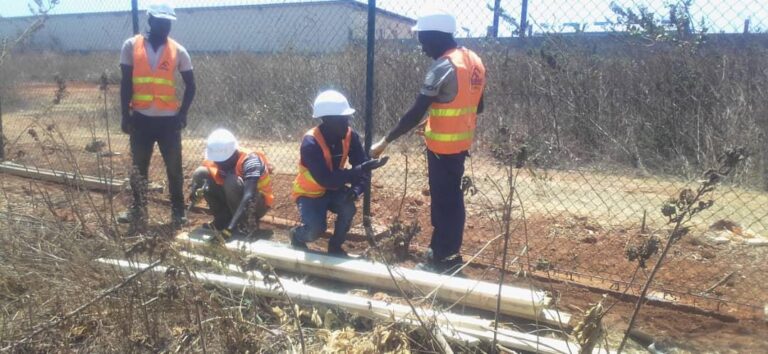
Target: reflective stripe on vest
(154, 88)
(450, 126)
(264, 185)
(305, 185)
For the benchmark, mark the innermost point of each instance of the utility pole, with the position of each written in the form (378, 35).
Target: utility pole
(524, 18)
(369, 85)
(135, 15)
(496, 14)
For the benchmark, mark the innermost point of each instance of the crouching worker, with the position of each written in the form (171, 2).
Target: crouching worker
(324, 183)
(235, 183)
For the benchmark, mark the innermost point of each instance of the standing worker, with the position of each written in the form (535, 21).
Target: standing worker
(323, 179)
(151, 112)
(452, 95)
(236, 184)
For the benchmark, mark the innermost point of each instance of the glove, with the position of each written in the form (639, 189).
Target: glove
(372, 164)
(126, 124)
(351, 196)
(226, 234)
(378, 148)
(198, 192)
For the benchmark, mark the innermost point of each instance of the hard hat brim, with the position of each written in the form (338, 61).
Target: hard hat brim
(164, 16)
(418, 29)
(347, 112)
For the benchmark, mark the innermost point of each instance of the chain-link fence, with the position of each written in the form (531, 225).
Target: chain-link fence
(614, 105)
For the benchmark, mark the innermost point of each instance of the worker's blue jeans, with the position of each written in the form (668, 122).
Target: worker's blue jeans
(314, 214)
(448, 214)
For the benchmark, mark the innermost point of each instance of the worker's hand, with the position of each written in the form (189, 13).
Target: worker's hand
(421, 128)
(351, 195)
(181, 120)
(378, 148)
(226, 234)
(374, 163)
(126, 124)
(196, 194)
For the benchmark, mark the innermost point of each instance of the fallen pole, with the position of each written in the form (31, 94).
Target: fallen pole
(519, 302)
(68, 178)
(463, 329)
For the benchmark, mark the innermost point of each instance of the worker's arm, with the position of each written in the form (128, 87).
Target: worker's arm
(250, 190)
(312, 158)
(126, 93)
(357, 156)
(253, 169)
(189, 94)
(411, 118)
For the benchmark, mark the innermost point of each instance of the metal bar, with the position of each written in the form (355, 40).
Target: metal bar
(524, 18)
(370, 50)
(135, 15)
(746, 26)
(2, 140)
(496, 13)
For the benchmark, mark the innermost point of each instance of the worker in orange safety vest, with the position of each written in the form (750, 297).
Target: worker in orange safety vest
(324, 183)
(151, 112)
(236, 184)
(451, 97)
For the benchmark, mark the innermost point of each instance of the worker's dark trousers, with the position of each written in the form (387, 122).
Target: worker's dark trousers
(163, 131)
(448, 214)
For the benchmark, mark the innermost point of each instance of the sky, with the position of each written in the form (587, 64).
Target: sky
(474, 15)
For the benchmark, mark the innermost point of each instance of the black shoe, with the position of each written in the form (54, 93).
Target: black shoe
(299, 245)
(179, 219)
(337, 251)
(131, 215)
(448, 267)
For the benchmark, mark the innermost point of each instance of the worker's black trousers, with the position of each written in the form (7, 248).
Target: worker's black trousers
(448, 214)
(146, 132)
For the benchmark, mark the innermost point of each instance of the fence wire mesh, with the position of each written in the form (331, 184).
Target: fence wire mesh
(617, 106)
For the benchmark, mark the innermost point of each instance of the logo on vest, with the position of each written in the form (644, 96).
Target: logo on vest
(164, 66)
(476, 79)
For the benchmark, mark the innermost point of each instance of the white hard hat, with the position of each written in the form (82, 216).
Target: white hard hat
(331, 103)
(161, 9)
(436, 20)
(220, 146)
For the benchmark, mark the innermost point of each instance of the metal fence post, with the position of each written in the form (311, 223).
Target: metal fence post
(370, 46)
(496, 12)
(135, 15)
(524, 18)
(2, 140)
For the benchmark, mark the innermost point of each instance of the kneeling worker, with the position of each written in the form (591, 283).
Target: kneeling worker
(323, 183)
(236, 185)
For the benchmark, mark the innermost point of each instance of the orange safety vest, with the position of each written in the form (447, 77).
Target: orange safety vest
(304, 185)
(154, 87)
(265, 181)
(451, 126)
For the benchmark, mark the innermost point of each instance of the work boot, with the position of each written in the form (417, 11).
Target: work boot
(179, 219)
(299, 245)
(337, 251)
(446, 267)
(131, 215)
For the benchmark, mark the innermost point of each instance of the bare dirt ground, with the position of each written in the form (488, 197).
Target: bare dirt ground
(576, 221)
(686, 331)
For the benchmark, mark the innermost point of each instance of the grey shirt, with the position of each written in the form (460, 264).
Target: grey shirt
(183, 59)
(441, 81)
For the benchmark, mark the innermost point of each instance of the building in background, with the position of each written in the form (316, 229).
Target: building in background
(308, 27)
